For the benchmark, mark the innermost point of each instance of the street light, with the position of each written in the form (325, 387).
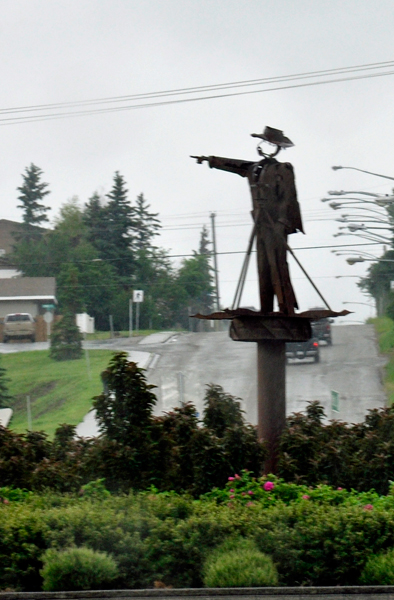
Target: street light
(343, 193)
(362, 171)
(352, 261)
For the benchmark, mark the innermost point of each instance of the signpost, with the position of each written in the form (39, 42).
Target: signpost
(138, 297)
(48, 318)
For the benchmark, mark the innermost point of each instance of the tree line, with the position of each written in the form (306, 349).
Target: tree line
(100, 251)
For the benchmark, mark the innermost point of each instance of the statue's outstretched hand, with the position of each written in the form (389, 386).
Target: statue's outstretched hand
(200, 159)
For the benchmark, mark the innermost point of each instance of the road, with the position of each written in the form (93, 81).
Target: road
(181, 365)
(351, 367)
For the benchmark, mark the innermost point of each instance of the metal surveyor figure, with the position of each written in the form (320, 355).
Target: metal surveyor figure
(276, 214)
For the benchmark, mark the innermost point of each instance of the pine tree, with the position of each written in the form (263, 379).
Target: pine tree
(195, 278)
(94, 218)
(5, 396)
(66, 339)
(146, 224)
(204, 242)
(120, 223)
(32, 192)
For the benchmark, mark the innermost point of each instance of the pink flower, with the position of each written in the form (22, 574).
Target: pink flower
(237, 476)
(305, 497)
(243, 494)
(231, 491)
(339, 489)
(268, 486)
(230, 504)
(232, 496)
(250, 504)
(231, 478)
(250, 493)
(368, 507)
(5, 501)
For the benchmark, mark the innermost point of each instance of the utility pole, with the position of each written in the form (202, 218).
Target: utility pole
(215, 260)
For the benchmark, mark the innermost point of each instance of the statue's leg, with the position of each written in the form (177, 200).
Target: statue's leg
(288, 300)
(264, 272)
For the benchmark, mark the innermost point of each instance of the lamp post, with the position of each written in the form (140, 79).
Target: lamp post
(362, 171)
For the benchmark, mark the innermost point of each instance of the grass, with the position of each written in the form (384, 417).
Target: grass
(384, 328)
(60, 392)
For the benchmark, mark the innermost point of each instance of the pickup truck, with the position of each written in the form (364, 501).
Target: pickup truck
(302, 350)
(18, 326)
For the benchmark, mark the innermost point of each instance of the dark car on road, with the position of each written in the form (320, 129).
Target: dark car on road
(321, 329)
(303, 350)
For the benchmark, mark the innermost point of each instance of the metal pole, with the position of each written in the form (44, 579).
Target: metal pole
(131, 317)
(137, 323)
(29, 425)
(271, 401)
(181, 388)
(87, 359)
(215, 261)
(111, 326)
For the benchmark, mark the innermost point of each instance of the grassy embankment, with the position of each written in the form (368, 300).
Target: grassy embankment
(384, 328)
(60, 392)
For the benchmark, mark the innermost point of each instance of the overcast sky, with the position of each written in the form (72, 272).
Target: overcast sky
(60, 51)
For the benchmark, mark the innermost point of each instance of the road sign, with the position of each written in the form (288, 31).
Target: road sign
(49, 306)
(48, 317)
(334, 401)
(138, 296)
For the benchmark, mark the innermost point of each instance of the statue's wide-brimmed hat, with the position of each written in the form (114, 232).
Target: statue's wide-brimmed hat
(274, 136)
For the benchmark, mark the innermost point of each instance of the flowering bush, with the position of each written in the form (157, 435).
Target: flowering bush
(270, 490)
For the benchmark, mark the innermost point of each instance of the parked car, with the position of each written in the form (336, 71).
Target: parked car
(303, 350)
(18, 326)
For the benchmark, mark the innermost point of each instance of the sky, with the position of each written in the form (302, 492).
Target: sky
(69, 51)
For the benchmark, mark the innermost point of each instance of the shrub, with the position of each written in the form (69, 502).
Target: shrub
(379, 570)
(238, 563)
(77, 569)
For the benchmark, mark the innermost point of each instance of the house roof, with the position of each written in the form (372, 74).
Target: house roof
(28, 288)
(7, 231)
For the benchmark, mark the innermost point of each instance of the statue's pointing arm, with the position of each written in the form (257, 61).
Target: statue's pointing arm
(233, 165)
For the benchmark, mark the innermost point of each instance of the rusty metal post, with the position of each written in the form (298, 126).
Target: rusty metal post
(271, 392)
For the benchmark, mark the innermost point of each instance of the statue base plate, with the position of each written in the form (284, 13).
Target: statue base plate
(257, 329)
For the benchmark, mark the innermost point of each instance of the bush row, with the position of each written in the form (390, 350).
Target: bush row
(178, 452)
(175, 451)
(325, 537)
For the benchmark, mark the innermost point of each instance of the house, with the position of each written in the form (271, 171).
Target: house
(27, 294)
(9, 231)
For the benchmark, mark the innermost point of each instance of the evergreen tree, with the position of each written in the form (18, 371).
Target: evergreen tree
(120, 223)
(32, 193)
(66, 339)
(195, 278)
(204, 242)
(69, 290)
(5, 396)
(146, 224)
(94, 217)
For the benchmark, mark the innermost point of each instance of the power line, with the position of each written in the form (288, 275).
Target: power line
(231, 252)
(26, 118)
(204, 88)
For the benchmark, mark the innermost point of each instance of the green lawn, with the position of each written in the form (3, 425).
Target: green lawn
(60, 392)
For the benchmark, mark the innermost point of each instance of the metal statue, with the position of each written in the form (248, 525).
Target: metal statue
(276, 214)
